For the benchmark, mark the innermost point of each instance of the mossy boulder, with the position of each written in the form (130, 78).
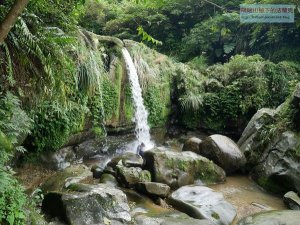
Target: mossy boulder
(250, 141)
(129, 176)
(223, 151)
(278, 170)
(286, 217)
(177, 169)
(192, 145)
(108, 179)
(90, 204)
(62, 179)
(203, 203)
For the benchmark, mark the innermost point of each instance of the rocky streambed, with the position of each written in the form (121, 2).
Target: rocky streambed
(107, 183)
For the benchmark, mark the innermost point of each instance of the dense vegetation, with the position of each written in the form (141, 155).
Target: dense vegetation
(51, 86)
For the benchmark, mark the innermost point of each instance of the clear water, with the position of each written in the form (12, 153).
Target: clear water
(142, 129)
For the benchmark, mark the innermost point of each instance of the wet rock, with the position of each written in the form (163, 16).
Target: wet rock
(192, 145)
(97, 171)
(286, 217)
(222, 151)
(109, 180)
(62, 179)
(177, 169)
(279, 170)
(132, 175)
(168, 220)
(292, 200)
(152, 188)
(88, 149)
(95, 204)
(128, 159)
(250, 141)
(60, 159)
(203, 203)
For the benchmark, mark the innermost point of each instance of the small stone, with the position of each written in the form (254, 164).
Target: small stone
(192, 145)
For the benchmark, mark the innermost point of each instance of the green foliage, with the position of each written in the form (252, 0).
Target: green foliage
(146, 37)
(54, 122)
(12, 200)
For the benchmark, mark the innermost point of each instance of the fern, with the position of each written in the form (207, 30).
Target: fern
(191, 101)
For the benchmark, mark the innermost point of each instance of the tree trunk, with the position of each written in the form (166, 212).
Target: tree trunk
(11, 18)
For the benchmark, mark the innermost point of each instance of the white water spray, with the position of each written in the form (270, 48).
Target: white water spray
(142, 130)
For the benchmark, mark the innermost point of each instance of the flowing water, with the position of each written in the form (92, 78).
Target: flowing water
(142, 129)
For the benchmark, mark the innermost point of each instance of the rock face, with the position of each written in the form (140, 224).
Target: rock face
(273, 154)
(279, 169)
(60, 159)
(95, 204)
(183, 168)
(222, 151)
(250, 140)
(152, 188)
(192, 145)
(129, 176)
(292, 200)
(286, 217)
(203, 203)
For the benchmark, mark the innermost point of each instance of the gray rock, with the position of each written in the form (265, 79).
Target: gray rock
(152, 188)
(223, 151)
(60, 159)
(169, 220)
(109, 180)
(203, 203)
(62, 179)
(177, 169)
(250, 141)
(95, 204)
(130, 176)
(284, 217)
(279, 169)
(192, 145)
(88, 149)
(128, 159)
(292, 200)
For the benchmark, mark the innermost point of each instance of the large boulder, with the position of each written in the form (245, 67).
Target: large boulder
(129, 176)
(250, 141)
(286, 217)
(223, 151)
(292, 200)
(153, 188)
(177, 169)
(279, 169)
(192, 145)
(93, 204)
(203, 203)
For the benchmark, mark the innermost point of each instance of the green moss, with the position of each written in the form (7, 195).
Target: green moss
(128, 104)
(215, 215)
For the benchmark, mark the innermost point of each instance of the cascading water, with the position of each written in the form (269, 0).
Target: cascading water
(142, 129)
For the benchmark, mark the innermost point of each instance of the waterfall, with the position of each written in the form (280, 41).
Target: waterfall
(142, 130)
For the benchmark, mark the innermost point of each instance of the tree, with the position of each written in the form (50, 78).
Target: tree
(11, 18)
